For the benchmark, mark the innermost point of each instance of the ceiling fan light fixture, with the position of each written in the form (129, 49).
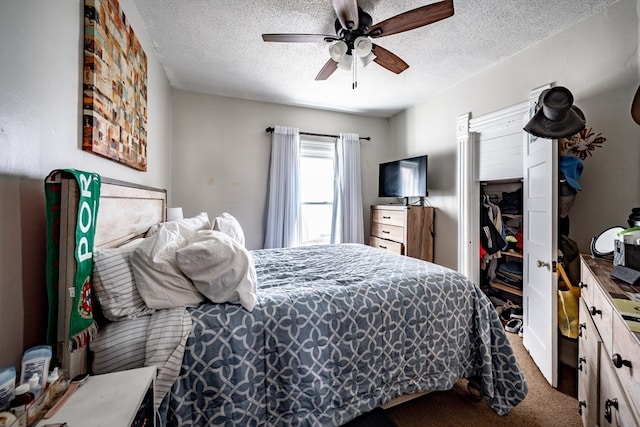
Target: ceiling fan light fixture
(338, 50)
(366, 60)
(354, 31)
(345, 62)
(363, 46)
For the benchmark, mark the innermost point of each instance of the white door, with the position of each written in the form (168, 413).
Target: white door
(540, 254)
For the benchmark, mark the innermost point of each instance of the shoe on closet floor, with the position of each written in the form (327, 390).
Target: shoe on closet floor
(516, 313)
(505, 310)
(513, 326)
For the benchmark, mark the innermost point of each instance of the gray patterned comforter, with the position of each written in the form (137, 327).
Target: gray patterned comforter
(338, 330)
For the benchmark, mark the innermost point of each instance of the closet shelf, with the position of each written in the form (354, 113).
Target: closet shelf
(506, 288)
(512, 254)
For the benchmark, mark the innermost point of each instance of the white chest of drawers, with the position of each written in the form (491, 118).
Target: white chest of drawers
(608, 352)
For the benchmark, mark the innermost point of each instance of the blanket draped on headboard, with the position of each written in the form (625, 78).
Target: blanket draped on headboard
(82, 327)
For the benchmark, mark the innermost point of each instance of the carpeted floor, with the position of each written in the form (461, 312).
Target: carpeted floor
(544, 406)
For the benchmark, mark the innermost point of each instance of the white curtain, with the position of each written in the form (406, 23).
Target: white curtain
(347, 224)
(283, 210)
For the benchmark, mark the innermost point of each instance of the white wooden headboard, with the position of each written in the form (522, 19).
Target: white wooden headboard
(126, 211)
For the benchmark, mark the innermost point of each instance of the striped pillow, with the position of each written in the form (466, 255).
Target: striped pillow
(120, 346)
(114, 284)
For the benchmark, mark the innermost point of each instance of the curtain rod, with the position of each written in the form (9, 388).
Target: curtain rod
(270, 130)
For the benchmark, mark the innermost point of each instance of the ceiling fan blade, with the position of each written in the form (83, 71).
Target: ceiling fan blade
(347, 13)
(327, 70)
(388, 60)
(413, 19)
(298, 38)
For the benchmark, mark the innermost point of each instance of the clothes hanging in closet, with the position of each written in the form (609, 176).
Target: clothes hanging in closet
(491, 233)
(492, 239)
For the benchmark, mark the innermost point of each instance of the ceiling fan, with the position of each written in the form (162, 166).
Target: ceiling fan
(354, 31)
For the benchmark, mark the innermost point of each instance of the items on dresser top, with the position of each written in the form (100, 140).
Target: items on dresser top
(630, 312)
(627, 248)
(603, 245)
(627, 275)
(634, 218)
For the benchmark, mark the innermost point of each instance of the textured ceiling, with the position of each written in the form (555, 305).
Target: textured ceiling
(215, 47)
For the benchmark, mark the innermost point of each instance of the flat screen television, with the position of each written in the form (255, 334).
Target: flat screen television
(403, 178)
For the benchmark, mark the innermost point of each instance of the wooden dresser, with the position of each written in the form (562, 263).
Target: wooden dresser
(406, 230)
(608, 351)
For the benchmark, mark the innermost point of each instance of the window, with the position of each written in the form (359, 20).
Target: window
(316, 183)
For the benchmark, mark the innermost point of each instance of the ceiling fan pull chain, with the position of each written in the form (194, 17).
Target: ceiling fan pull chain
(354, 85)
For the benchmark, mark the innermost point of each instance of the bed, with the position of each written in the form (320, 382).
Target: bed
(334, 331)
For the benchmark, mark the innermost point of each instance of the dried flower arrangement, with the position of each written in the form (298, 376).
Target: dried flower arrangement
(581, 144)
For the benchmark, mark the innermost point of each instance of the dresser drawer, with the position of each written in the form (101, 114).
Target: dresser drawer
(588, 401)
(386, 244)
(588, 362)
(601, 311)
(390, 232)
(588, 347)
(615, 409)
(626, 351)
(588, 284)
(389, 217)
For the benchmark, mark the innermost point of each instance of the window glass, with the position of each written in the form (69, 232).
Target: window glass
(316, 176)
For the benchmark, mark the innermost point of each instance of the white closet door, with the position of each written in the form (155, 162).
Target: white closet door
(540, 254)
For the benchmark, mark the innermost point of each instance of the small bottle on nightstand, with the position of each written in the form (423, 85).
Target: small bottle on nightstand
(21, 404)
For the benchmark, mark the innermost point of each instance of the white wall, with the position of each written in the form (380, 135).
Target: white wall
(597, 60)
(221, 154)
(40, 130)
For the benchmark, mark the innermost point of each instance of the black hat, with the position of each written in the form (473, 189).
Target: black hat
(555, 115)
(635, 107)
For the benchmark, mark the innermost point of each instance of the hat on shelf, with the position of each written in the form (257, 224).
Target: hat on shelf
(635, 107)
(556, 116)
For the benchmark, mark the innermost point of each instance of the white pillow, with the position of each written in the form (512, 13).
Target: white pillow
(187, 226)
(220, 268)
(159, 280)
(114, 283)
(120, 346)
(229, 226)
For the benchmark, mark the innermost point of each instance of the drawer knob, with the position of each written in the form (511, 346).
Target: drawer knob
(386, 217)
(382, 246)
(581, 404)
(619, 362)
(607, 408)
(581, 327)
(594, 311)
(582, 285)
(580, 361)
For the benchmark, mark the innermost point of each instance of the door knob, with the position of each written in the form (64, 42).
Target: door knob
(543, 264)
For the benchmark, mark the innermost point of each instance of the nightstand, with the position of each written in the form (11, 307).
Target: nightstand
(117, 399)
